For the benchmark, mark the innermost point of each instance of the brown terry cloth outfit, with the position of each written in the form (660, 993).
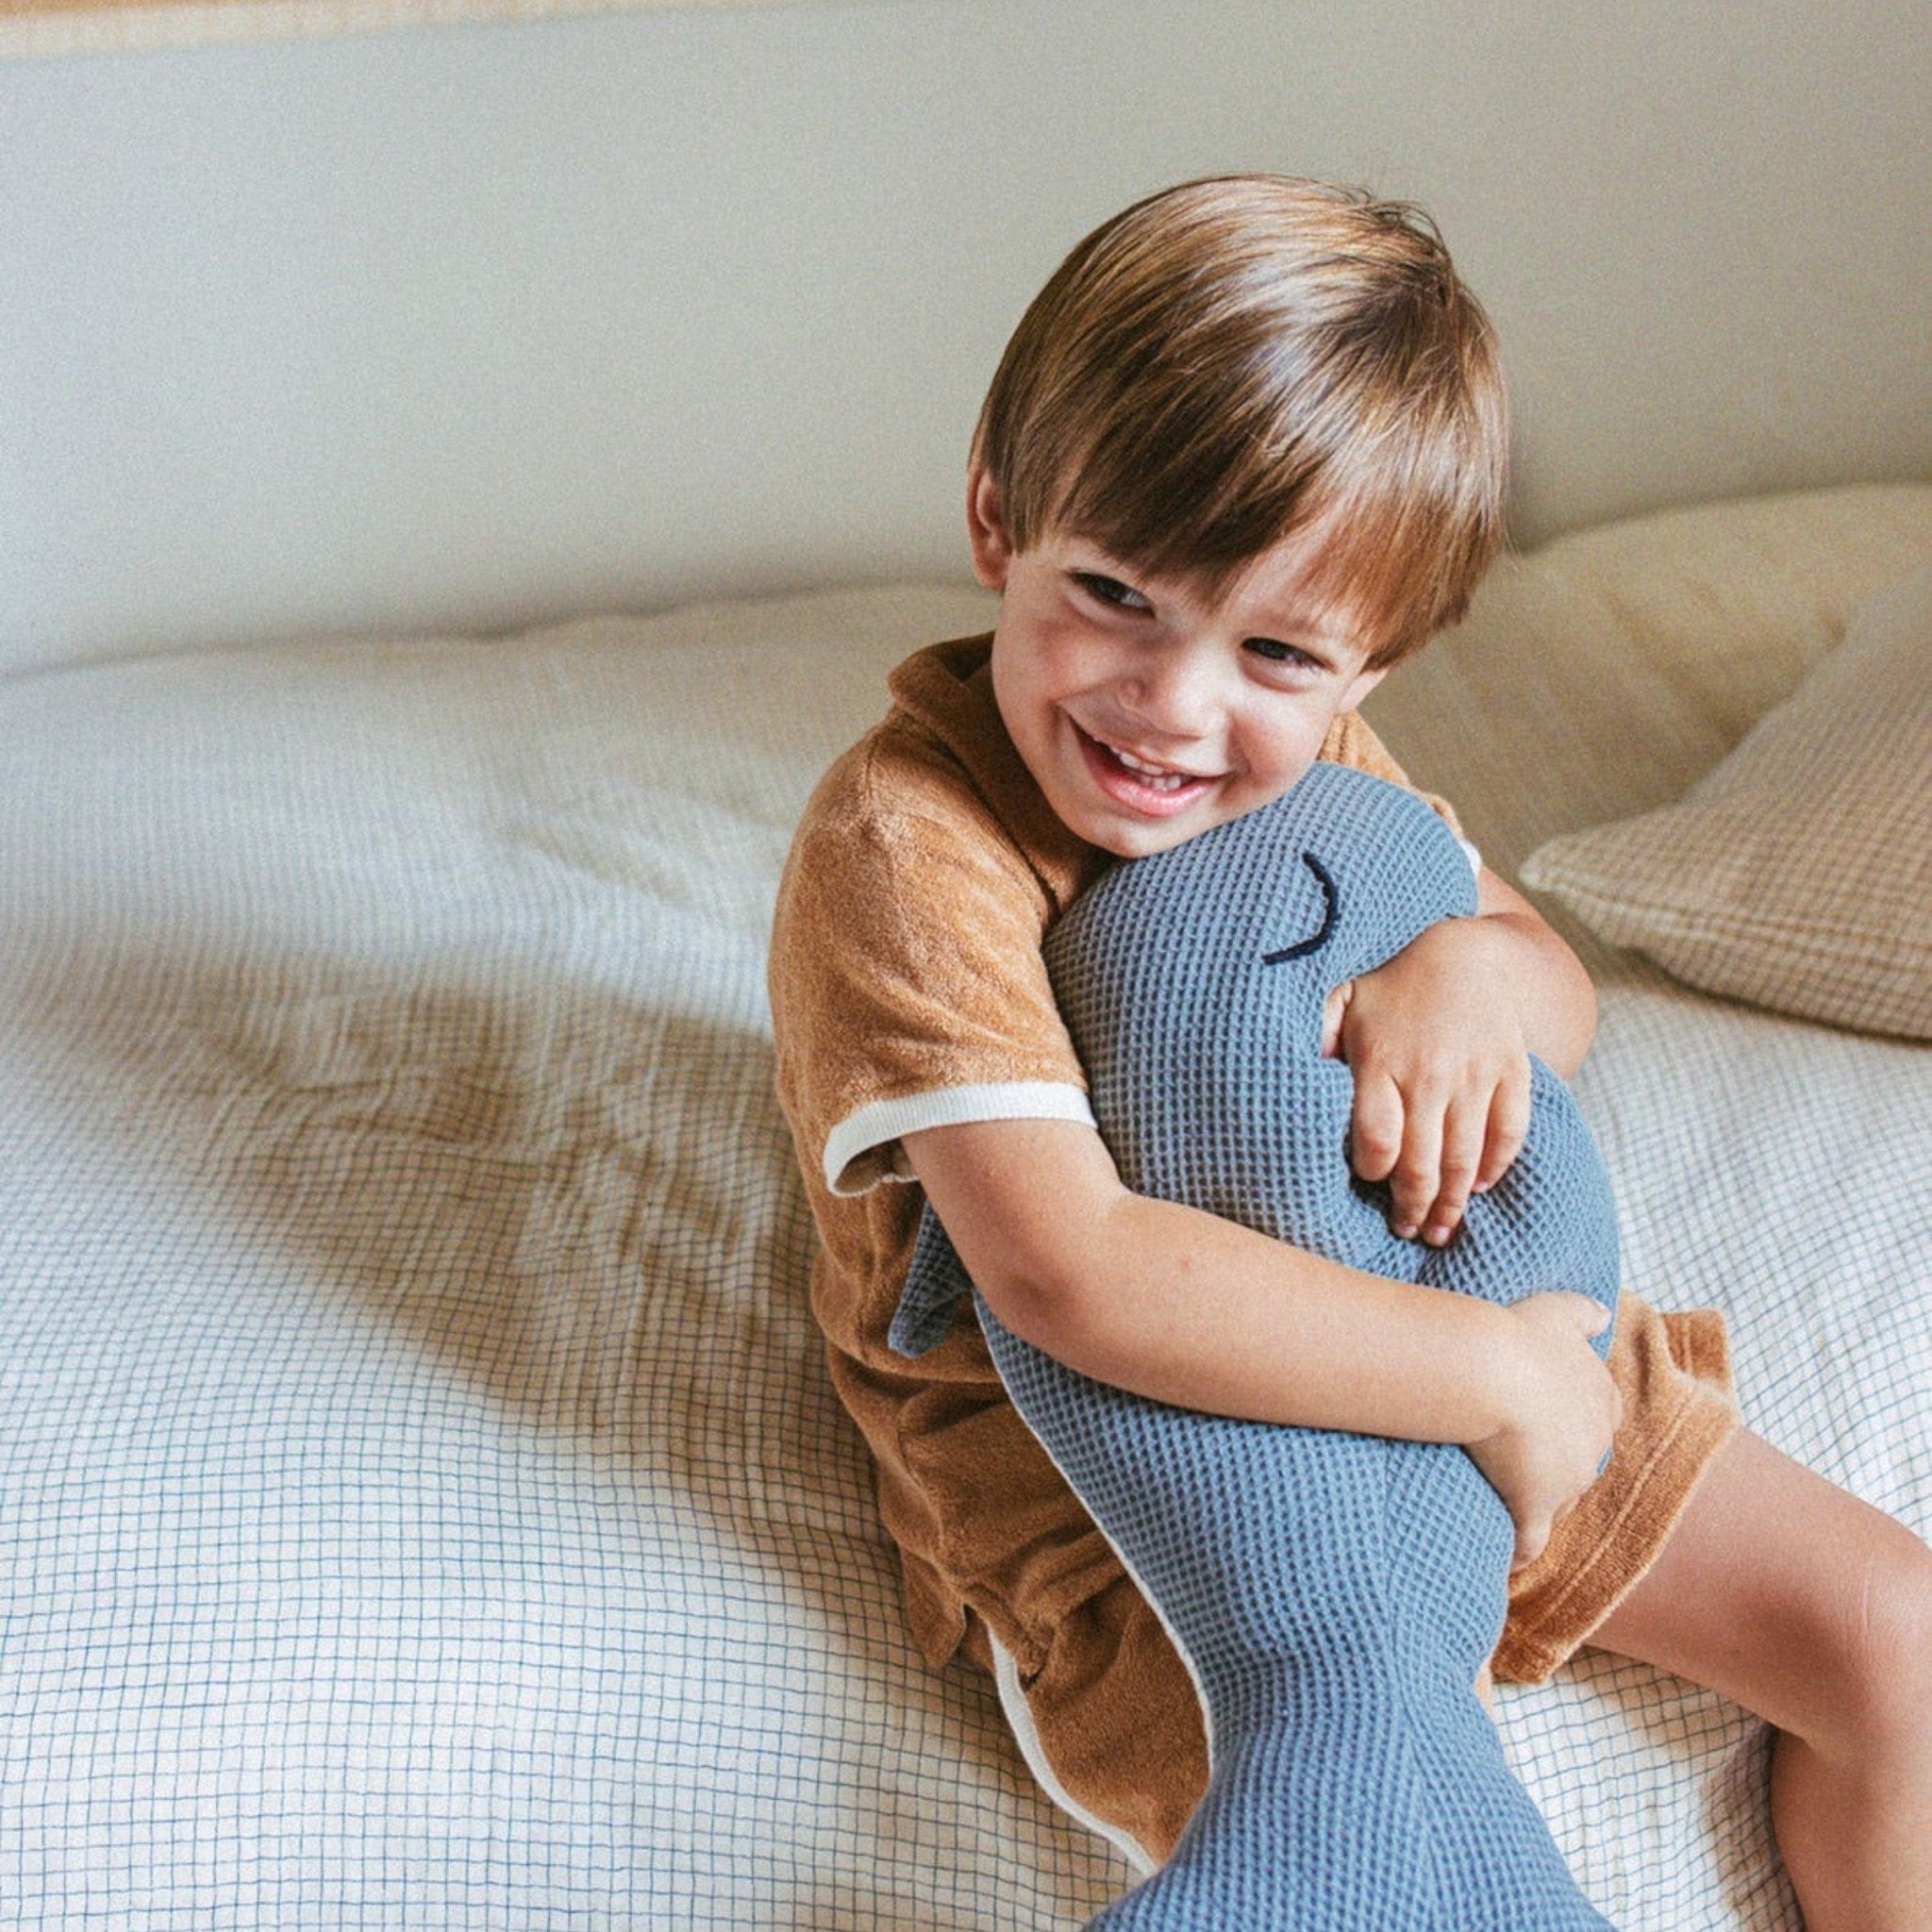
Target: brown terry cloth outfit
(907, 990)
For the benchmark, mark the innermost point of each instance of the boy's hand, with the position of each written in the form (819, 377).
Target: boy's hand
(1561, 1410)
(1442, 1073)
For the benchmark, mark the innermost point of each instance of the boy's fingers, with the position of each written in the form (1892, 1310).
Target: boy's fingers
(1587, 1312)
(1332, 1011)
(1507, 1128)
(1532, 1539)
(1417, 1176)
(1463, 1133)
(1374, 1128)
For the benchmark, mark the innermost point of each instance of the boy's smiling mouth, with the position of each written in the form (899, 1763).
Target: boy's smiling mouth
(1140, 785)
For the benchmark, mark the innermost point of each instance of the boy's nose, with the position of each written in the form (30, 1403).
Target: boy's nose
(1173, 695)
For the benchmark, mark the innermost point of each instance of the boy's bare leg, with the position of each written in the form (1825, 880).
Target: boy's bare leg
(1792, 1597)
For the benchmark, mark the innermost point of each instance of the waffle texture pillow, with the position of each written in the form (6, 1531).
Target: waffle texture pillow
(1798, 875)
(1333, 1595)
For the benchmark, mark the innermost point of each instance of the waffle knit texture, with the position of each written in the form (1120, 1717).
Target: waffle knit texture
(1333, 1595)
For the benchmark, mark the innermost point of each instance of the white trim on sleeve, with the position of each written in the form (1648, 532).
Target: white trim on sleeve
(880, 1123)
(1475, 857)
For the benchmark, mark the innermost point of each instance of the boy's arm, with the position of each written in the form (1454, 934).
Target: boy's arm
(1438, 1042)
(1187, 1309)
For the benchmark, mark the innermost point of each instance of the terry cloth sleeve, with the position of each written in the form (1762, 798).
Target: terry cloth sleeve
(908, 980)
(908, 984)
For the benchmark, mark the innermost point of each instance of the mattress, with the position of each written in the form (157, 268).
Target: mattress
(421, 1495)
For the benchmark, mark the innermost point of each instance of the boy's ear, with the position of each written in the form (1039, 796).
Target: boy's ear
(986, 530)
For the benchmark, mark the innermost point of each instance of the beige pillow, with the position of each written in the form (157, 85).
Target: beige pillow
(1798, 873)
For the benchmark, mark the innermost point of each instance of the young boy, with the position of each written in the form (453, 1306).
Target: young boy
(1245, 452)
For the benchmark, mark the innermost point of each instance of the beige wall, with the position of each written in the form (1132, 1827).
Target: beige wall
(474, 324)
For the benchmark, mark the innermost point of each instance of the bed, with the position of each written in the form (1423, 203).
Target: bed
(421, 1496)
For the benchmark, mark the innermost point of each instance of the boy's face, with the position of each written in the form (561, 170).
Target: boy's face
(1146, 713)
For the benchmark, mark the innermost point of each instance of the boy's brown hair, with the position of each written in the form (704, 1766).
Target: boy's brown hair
(1246, 356)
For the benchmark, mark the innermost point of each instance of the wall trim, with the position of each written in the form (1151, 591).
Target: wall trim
(45, 27)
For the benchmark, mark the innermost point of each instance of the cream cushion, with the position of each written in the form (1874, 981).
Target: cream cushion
(1798, 873)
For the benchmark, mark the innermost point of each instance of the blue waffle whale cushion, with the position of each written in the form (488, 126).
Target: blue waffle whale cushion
(1333, 1595)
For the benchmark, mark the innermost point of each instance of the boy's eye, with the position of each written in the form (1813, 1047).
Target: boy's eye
(1110, 591)
(1276, 652)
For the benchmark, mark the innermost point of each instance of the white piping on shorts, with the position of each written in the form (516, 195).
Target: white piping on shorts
(1026, 1734)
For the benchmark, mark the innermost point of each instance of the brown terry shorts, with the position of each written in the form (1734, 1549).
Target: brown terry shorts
(1673, 1371)
(1111, 1710)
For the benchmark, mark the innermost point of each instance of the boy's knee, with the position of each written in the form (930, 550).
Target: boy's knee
(1884, 1648)
(1905, 1616)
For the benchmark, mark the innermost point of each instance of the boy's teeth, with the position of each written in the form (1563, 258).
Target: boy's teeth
(1156, 775)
